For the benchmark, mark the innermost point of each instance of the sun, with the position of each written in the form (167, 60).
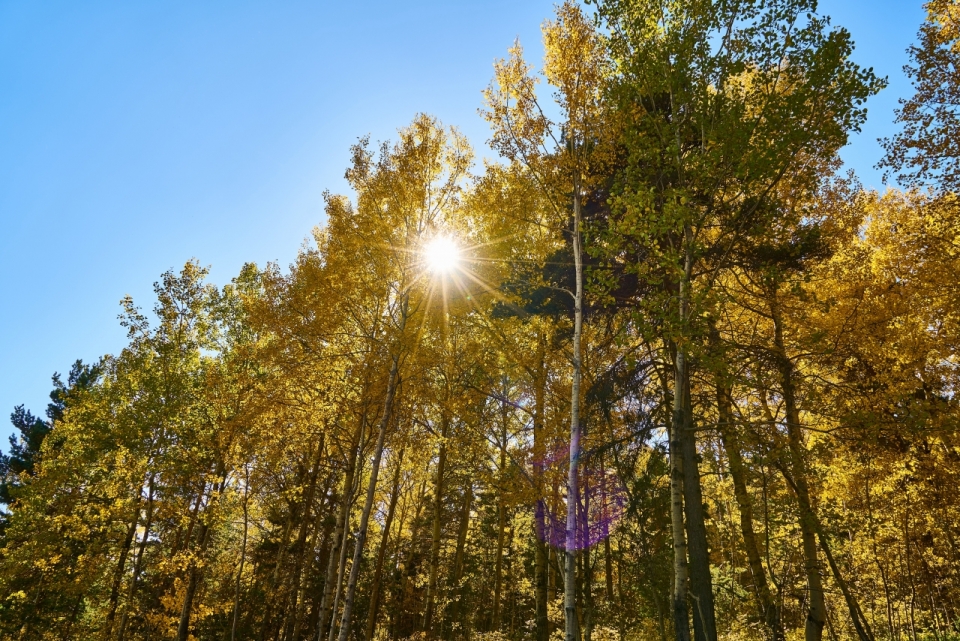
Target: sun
(441, 255)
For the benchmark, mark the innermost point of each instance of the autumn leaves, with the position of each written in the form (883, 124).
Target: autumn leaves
(656, 371)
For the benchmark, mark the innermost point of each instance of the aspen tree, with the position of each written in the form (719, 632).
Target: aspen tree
(926, 152)
(575, 65)
(403, 196)
(665, 315)
(713, 95)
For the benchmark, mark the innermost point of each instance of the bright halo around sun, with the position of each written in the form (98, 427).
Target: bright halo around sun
(441, 255)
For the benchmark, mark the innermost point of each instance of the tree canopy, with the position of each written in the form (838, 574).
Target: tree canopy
(656, 371)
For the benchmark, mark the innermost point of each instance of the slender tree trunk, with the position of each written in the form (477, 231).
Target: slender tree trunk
(436, 531)
(408, 568)
(764, 494)
(138, 562)
(183, 540)
(243, 552)
(587, 573)
(681, 614)
(738, 472)
(341, 570)
(511, 593)
(860, 623)
(701, 583)
(372, 486)
(322, 534)
(463, 531)
(275, 576)
(382, 552)
(552, 564)
(913, 586)
(555, 558)
(121, 565)
(314, 473)
(458, 562)
(501, 530)
(817, 612)
(183, 629)
(539, 455)
(608, 569)
(573, 473)
(510, 582)
(498, 568)
(876, 560)
(655, 597)
(337, 559)
(194, 571)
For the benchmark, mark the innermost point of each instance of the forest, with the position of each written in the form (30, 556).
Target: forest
(656, 370)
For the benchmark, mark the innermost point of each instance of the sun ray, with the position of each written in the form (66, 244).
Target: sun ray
(483, 284)
(416, 279)
(423, 318)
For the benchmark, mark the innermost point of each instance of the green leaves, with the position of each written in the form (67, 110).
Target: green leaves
(201, 482)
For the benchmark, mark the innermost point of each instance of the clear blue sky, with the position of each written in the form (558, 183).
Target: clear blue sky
(137, 135)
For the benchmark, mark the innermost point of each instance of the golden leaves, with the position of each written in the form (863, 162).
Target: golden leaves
(577, 64)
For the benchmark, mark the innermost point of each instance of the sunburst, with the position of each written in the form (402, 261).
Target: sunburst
(442, 255)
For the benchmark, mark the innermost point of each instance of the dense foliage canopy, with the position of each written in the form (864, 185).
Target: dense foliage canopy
(658, 372)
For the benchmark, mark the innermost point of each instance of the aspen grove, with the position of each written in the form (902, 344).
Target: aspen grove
(658, 369)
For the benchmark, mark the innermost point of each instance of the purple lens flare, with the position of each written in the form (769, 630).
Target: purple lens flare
(601, 502)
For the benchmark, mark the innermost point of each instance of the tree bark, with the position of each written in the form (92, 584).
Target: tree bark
(243, 553)
(876, 559)
(738, 472)
(436, 530)
(409, 570)
(392, 381)
(194, 571)
(587, 573)
(501, 528)
(289, 619)
(382, 552)
(573, 473)
(539, 454)
(681, 615)
(321, 533)
(138, 562)
(817, 612)
(608, 569)
(336, 560)
(462, 534)
(701, 583)
(121, 565)
(341, 569)
(860, 623)
(275, 575)
(183, 629)
(458, 563)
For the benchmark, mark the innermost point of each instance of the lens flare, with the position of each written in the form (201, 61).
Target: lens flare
(441, 255)
(601, 502)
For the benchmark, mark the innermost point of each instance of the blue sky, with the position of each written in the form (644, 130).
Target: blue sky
(136, 136)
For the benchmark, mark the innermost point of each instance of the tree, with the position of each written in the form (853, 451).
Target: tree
(562, 159)
(24, 453)
(722, 101)
(403, 197)
(926, 151)
(673, 369)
